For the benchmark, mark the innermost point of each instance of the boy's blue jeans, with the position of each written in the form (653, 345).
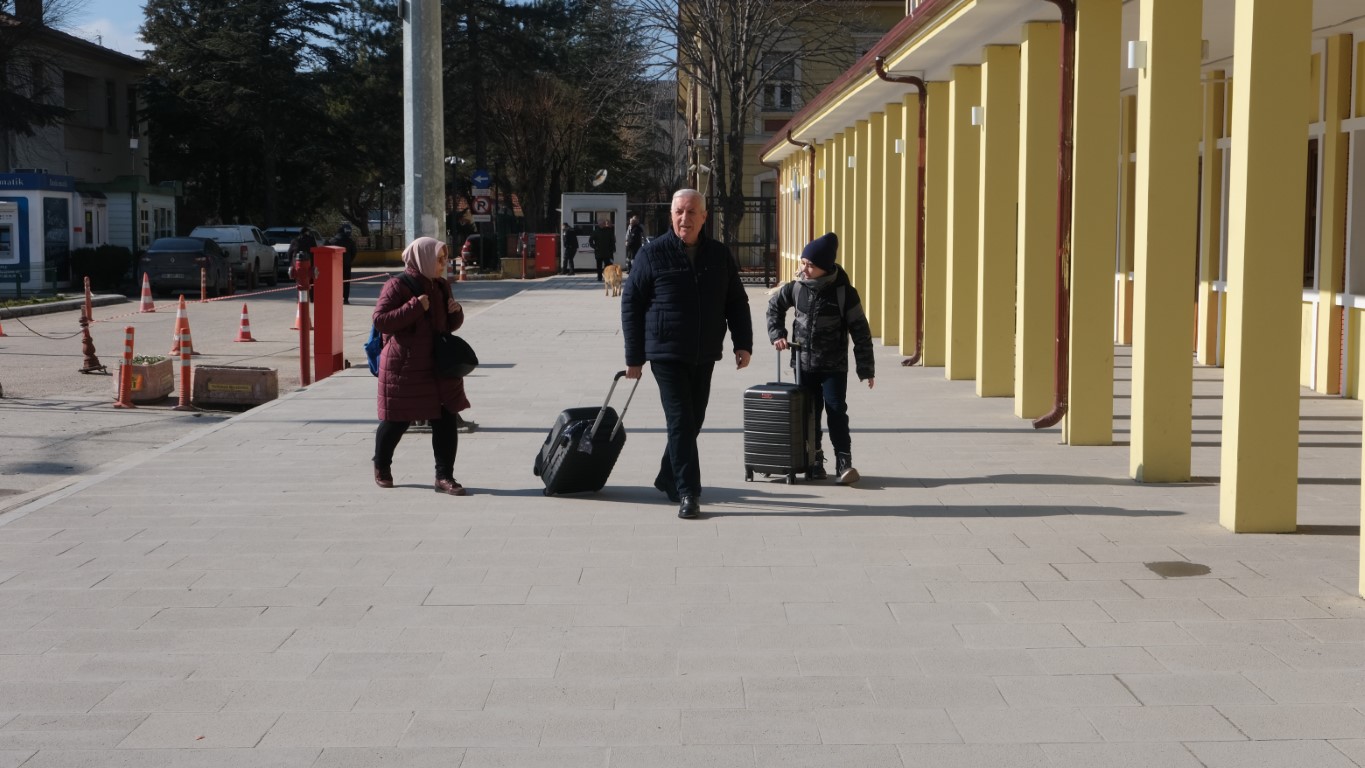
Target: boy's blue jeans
(829, 390)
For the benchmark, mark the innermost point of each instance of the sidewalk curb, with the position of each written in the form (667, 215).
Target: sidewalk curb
(28, 310)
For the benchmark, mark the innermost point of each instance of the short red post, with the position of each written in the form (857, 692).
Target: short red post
(125, 379)
(303, 276)
(203, 285)
(185, 373)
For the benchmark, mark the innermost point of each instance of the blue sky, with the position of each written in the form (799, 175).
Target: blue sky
(114, 23)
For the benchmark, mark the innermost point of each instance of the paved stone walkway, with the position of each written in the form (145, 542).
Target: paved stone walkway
(984, 597)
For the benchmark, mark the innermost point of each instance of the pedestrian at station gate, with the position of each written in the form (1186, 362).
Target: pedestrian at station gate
(570, 246)
(343, 239)
(635, 237)
(603, 242)
(412, 309)
(828, 312)
(675, 309)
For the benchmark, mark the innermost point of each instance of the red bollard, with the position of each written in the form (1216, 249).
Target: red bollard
(125, 379)
(203, 285)
(185, 373)
(303, 276)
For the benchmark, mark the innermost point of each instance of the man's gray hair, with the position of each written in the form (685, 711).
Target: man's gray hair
(690, 193)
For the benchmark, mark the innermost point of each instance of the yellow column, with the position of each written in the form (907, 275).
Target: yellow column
(848, 234)
(1332, 253)
(964, 151)
(854, 252)
(936, 228)
(1258, 492)
(816, 188)
(1210, 220)
(838, 173)
(892, 220)
(1123, 284)
(907, 290)
(998, 198)
(1035, 340)
(1168, 157)
(869, 283)
(1090, 414)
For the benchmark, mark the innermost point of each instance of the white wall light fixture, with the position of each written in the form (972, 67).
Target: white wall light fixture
(820, 174)
(1137, 54)
(900, 146)
(978, 115)
(852, 162)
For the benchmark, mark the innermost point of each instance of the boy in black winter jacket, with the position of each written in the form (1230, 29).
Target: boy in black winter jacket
(828, 311)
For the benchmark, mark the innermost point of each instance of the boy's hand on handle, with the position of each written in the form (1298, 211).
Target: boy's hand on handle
(781, 344)
(634, 371)
(742, 358)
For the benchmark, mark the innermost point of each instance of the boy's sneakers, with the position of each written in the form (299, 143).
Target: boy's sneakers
(843, 466)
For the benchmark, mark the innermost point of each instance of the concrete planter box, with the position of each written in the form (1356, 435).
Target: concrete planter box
(151, 381)
(234, 385)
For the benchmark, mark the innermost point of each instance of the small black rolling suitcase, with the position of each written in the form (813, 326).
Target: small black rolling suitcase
(582, 447)
(777, 428)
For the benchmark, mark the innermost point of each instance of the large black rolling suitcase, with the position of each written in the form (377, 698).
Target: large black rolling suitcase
(778, 428)
(582, 447)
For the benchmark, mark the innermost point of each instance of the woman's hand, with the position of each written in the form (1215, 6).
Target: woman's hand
(452, 306)
(425, 301)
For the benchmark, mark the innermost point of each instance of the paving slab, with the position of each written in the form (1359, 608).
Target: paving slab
(984, 597)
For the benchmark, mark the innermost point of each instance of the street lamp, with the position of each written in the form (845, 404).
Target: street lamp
(381, 210)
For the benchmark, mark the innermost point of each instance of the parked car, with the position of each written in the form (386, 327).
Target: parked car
(279, 239)
(478, 251)
(250, 255)
(172, 265)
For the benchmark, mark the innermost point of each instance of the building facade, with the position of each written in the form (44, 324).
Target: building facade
(1021, 184)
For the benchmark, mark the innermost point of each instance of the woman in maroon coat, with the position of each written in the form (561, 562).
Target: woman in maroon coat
(408, 387)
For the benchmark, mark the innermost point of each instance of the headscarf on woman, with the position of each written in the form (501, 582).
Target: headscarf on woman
(421, 255)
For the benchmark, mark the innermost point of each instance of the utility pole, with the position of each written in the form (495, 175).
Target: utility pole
(423, 120)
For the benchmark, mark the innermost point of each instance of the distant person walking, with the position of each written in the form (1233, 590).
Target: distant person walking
(635, 237)
(570, 245)
(603, 242)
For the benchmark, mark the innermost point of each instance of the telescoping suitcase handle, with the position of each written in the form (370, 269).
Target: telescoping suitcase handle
(796, 364)
(603, 411)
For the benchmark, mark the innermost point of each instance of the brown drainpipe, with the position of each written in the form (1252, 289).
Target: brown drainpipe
(879, 66)
(810, 185)
(1065, 160)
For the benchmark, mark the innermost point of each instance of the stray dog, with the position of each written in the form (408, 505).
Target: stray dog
(611, 275)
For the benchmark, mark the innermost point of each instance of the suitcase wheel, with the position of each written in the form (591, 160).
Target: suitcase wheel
(748, 475)
(547, 492)
(791, 479)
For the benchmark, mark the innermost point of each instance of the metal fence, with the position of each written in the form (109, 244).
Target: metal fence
(754, 238)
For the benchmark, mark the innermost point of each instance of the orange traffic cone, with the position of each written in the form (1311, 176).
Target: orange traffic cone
(182, 325)
(2, 330)
(295, 326)
(244, 332)
(147, 305)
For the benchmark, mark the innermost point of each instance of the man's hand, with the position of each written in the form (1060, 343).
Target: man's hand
(634, 371)
(741, 358)
(781, 344)
(871, 382)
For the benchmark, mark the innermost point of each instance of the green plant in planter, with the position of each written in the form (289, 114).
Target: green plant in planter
(148, 359)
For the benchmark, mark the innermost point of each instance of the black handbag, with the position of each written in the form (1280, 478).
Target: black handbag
(454, 357)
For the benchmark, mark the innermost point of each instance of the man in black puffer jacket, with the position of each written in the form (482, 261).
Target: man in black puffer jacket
(682, 294)
(828, 311)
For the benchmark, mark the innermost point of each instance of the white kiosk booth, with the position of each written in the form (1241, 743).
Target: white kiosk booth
(585, 210)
